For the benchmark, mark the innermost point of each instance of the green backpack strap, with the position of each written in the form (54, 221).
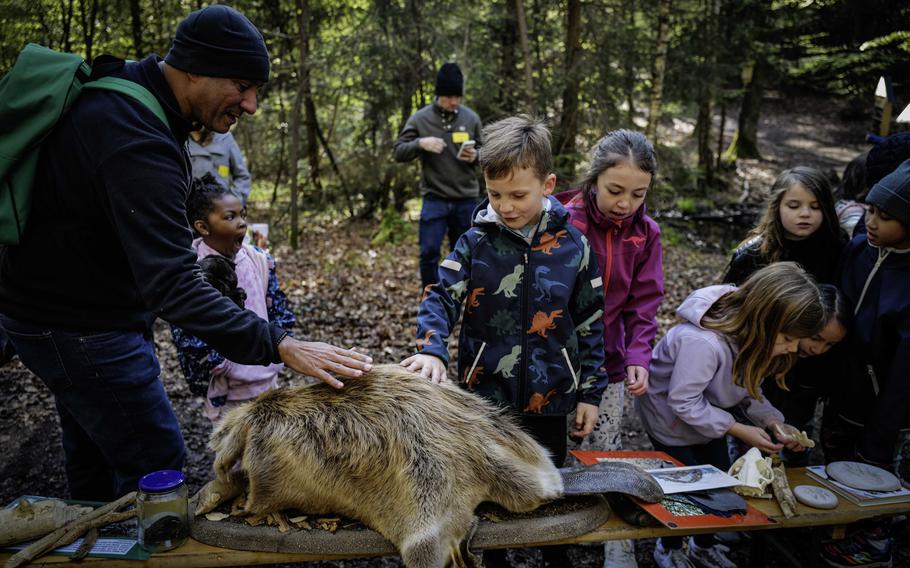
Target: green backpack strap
(130, 89)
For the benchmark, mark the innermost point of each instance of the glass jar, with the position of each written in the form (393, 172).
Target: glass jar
(162, 510)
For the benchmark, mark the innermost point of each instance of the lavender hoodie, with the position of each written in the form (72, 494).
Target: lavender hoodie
(629, 255)
(232, 380)
(692, 381)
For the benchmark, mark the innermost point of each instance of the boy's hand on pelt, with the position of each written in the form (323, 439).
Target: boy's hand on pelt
(427, 366)
(585, 417)
(316, 359)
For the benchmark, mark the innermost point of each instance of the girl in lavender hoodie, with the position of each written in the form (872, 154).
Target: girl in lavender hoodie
(219, 217)
(609, 209)
(730, 340)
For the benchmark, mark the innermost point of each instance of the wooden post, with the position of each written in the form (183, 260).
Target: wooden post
(884, 104)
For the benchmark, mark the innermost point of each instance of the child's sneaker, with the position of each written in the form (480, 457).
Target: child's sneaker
(863, 548)
(670, 557)
(714, 556)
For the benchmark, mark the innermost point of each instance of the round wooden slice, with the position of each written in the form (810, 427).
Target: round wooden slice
(863, 476)
(815, 496)
(557, 520)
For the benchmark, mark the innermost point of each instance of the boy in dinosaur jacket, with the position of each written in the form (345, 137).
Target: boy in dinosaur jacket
(532, 333)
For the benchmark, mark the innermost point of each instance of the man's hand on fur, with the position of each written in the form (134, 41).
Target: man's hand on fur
(585, 417)
(427, 366)
(316, 359)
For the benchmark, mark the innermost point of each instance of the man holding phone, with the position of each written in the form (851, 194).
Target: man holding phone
(445, 135)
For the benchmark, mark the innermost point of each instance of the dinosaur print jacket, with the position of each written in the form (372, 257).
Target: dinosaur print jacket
(532, 333)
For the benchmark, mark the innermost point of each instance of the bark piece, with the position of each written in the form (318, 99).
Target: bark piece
(781, 489)
(28, 520)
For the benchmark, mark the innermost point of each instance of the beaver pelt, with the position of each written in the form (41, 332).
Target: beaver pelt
(408, 458)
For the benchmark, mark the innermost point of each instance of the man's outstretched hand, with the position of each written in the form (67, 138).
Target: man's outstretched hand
(317, 359)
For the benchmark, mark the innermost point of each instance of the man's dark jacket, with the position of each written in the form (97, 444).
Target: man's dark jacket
(107, 246)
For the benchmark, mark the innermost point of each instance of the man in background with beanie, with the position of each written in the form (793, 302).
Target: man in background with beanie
(107, 251)
(448, 181)
(872, 404)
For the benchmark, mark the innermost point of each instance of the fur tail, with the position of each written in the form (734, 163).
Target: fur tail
(229, 441)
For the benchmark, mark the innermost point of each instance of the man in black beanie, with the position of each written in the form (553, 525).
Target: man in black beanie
(108, 250)
(446, 136)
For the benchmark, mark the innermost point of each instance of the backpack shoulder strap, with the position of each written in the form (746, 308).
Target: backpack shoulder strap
(130, 89)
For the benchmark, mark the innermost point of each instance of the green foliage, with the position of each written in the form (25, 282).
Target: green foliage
(372, 63)
(393, 229)
(670, 236)
(687, 204)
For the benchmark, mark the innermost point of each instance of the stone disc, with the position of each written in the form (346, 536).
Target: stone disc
(815, 496)
(863, 476)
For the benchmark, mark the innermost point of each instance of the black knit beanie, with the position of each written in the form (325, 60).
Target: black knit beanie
(449, 81)
(892, 194)
(218, 41)
(885, 156)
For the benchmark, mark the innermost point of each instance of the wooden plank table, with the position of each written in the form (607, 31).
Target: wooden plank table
(195, 554)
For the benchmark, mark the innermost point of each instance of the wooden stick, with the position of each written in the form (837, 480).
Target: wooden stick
(91, 537)
(781, 489)
(99, 517)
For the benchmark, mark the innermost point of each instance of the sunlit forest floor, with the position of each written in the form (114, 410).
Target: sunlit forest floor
(346, 291)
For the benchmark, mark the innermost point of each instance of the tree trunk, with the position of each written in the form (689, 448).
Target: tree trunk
(526, 54)
(136, 21)
(659, 68)
(67, 15)
(745, 140)
(706, 97)
(88, 26)
(304, 21)
(302, 16)
(564, 150)
(507, 35)
(629, 62)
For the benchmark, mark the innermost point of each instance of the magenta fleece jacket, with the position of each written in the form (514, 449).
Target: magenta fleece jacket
(629, 254)
(692, 381)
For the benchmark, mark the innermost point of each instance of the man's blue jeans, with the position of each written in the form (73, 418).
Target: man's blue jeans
(439, 216)
(117, 421)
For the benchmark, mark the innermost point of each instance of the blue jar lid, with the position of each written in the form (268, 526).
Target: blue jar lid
(161, 481)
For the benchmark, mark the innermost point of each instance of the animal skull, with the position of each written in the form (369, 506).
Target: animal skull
(754, 474)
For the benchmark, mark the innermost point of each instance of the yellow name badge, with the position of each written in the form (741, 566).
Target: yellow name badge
(224, 171)
(459, 137)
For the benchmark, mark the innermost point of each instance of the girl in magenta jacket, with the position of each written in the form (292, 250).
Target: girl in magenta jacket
(609, 209)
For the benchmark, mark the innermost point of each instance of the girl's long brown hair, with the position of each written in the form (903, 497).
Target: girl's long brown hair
(770, 229)
(779, 298)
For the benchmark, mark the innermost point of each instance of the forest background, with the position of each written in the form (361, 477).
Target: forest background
(346, 75)
(730, 91)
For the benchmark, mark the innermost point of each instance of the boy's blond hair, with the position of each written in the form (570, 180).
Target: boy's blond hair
(780, 298)
(516, 142)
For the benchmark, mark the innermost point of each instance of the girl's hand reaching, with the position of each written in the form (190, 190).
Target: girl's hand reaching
(585, 417)
(637, 379)
(791, 437)
(755, 437)
(427, 366)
